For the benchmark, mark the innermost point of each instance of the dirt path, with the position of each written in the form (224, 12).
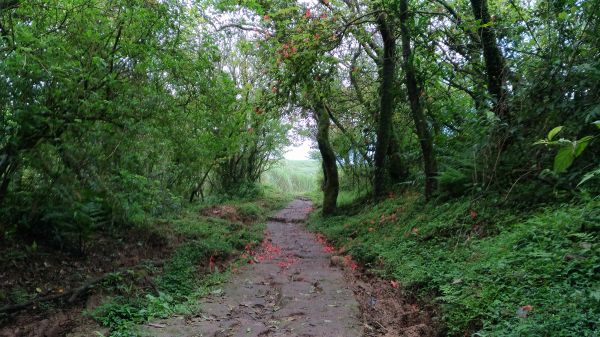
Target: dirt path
(291, 292)
(294, 291)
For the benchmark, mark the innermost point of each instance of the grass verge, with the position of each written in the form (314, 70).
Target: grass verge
(209, 238)
(492, 271)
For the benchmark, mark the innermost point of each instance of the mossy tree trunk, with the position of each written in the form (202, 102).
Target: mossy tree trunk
(386, 110)
(331, 184)
(495, 65)
(397, 168)
(414, 94)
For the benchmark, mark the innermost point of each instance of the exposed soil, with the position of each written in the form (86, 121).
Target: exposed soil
(48, 271)
(297, 288)
(387, 311)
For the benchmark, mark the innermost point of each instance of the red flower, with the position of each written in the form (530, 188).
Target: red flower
(307, 13)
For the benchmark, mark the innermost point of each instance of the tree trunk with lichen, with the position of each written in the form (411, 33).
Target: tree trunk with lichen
(331, 183)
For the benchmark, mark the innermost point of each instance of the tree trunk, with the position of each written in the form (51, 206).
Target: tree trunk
(494, 61)
(8, 165)
(414, 94)
(331, 183)
(198, 188)
(386, 109)
(397, 169)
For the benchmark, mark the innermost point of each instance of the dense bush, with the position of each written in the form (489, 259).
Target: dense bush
(115, 122)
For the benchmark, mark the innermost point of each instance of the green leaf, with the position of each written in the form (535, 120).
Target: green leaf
(562, 16)
(554, 131)
(563, 159)
(597, 124)
(581, 144)
(589, 176)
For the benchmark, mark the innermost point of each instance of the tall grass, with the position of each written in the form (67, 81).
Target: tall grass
(293, 176)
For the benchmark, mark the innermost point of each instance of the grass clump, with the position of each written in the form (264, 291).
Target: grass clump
(492, 272)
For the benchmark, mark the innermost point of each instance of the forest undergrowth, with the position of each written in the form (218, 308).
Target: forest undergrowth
(158, 270)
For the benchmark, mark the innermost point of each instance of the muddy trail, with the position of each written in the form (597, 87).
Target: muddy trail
(297, 287)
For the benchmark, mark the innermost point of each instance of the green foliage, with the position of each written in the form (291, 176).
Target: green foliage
(568, 150)
(482, 263)
(118, 122)
(249, 211)
(457, 177)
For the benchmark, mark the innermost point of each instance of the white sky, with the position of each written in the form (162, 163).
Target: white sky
(299, 151)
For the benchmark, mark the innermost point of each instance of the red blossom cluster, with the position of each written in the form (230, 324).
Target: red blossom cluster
(350, 263)
(287, 50)
(307, 13)
(327, 248)
(287, 262)
(268, 251)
